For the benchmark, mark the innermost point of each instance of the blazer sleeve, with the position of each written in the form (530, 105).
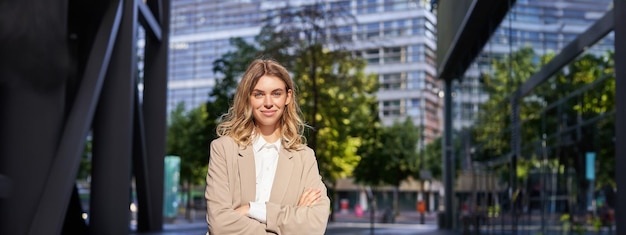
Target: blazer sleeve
(221, 215)
(292, 219)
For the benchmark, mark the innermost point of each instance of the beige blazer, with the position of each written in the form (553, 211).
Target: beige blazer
(231, 182)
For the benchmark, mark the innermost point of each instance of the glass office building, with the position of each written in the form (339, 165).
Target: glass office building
(396, 37)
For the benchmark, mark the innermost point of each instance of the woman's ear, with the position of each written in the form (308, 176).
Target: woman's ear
(289, 96)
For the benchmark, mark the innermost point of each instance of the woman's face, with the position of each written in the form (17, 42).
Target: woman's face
(268, 99)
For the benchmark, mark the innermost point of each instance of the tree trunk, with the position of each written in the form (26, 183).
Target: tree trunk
(395, 200)
(334, 195)
(189, 204)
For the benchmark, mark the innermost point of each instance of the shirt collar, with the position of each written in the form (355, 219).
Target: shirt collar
(259, 143)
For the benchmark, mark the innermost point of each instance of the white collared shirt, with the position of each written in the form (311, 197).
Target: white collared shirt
(266, 161)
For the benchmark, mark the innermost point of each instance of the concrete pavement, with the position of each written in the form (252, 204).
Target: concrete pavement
(407, 223)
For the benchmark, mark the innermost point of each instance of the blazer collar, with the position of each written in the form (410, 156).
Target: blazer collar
(247, 174)
(282, 176)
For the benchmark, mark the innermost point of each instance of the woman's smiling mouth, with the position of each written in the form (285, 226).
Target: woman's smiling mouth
(268, 113)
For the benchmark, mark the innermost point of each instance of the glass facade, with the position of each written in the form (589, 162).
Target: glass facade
(545, 26)
(540, 145)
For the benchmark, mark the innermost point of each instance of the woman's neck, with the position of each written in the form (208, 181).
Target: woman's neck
(270, 135)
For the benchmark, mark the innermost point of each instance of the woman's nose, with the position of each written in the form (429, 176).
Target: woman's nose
(268, 102)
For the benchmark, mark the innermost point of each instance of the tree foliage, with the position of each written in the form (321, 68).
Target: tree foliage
(433, 158)
(392, 158)
(585, 91)
(340, 105)
(493, 126)
(188, 138)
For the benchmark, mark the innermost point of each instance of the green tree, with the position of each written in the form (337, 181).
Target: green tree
(433, 158)
(400, 150)
(229, 67)
(84, 171)
(392, 158)
(188, 138)
(347, 95)
(367, 171)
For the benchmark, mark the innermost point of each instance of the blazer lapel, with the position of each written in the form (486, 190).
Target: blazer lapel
(247, 174)
(282, 176)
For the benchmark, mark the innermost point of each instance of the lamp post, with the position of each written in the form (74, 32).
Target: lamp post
(421, 204)
(424, 174)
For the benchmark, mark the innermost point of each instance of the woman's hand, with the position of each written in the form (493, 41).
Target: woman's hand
(310, 197)
(243, 209)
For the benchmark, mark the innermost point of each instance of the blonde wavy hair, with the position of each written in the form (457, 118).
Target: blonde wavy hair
(238, 123)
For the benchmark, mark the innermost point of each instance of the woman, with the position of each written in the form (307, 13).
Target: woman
(262, 178)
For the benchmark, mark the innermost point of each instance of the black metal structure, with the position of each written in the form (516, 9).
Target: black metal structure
(69, 69)
(619, 8)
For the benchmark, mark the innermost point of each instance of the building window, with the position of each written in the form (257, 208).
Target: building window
(416, 80)
(394, 28)
(343, 33)
(372, 56)
(392, 81)
(417, 53)
(366, 6)
(430, 56)
(393, 55)
(392, 108)
(396, 5)
(372, 6)
(413, 107)
(418, 26)
(369, 31)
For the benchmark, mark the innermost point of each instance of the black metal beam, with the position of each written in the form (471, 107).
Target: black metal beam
(61, 178)
(448, 158)
(140, 169)
(480, 22)
(619, 6)
(5, 186)
(112, 134)
(147, 19)
(154, 103)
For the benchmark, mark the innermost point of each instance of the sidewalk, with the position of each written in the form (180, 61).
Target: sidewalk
(407, 223)
(405, 217)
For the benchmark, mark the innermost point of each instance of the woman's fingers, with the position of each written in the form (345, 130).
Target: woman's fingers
(310, 197)
(304, 198)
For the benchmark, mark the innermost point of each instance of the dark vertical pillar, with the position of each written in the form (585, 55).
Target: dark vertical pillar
(448, 157)
(619, 6)
(154, 108)
(34, 67)
(112, 140)
(140, 169)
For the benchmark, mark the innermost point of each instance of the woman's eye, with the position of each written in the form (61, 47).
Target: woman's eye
(258, 95)
(277, 94)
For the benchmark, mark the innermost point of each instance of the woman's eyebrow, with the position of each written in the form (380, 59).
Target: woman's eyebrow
(277, 89)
